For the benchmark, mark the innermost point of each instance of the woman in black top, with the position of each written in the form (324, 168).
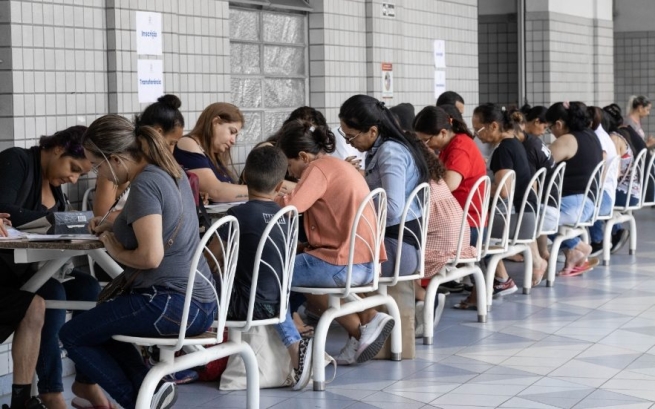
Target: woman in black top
(569, 124)
(30, 188)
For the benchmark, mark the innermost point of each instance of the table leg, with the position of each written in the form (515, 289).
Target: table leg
(106, 262)
(48, 270)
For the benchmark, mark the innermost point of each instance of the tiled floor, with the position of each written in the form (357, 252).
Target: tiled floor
(589, 342)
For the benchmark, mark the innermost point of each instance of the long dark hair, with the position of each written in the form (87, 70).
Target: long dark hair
(302, 136)
(535, 112)
(573, 114)
(164, 113)
(69, 139)
(488, 113)
(435, 166)
(431, 120)
(361, 112)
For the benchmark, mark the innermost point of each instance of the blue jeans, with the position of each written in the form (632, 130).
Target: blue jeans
(287, 331)
(310, 271)
(596, 231)
(569, 210)
(408, 258)
(48, 367)
(117, 366)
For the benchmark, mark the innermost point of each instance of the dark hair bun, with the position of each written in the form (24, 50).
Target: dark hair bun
(170, 100)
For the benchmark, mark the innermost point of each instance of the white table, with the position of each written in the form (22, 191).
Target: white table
(56, 254)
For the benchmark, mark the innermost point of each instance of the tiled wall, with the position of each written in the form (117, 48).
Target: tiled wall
(349, 39)
(568, 59)
(634, 58)
(498, 51)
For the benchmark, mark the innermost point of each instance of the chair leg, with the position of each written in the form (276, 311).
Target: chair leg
(252, 377)
(607, 241)
(441, 298)
(552, 262)
(633, 235)
(396, 332)
(490, 273)
(482, 295)
(527, 272)
(428, 311)
(318, 357)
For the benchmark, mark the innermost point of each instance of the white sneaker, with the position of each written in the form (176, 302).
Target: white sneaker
(165, 396)
(373, 336)
(419, 328)
(348, 352)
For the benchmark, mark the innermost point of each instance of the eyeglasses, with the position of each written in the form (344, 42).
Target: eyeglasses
(477, 133)
(95, 168)
(348, 138)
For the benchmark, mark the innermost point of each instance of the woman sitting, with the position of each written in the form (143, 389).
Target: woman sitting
(154, 237)
(329, 193)
(569, 124)
(30, 188)
(165, 116)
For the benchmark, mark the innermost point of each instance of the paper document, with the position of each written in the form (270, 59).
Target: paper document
(221, 207)
(14, 234)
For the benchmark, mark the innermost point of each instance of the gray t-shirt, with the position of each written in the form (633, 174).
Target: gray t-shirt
(154, 191)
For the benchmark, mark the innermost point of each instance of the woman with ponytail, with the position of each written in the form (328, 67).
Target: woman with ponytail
(154, 238)
(165, 116)
(637, 109)
(569, 123)
(464, 163)
(329, 192)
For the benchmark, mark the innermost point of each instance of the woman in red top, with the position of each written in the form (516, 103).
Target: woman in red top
(458, 152)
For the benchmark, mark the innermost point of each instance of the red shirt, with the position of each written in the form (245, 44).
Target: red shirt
(462, 155)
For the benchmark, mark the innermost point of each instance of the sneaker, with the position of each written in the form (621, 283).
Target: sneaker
(348, 352)
(619, 239)
(451, 287)
(34, 403)
(596, 249)
(506, 288)
(373, 336)
(419, 327)
(303, 373)
(165, 396)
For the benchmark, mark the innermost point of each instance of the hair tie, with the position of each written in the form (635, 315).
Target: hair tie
(380, 104)
(566, 104)
(312, 128)
(503, 108)
(450, 120)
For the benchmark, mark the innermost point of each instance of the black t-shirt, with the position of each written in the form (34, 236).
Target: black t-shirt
(253, 217)
(510, 154)
(539, 155)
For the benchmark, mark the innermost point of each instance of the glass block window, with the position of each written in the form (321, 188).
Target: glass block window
(268, 58)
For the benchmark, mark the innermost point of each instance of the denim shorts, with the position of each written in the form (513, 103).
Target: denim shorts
(310, 271)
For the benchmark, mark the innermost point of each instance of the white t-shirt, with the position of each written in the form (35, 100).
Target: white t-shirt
(610, 153)
(344, 149)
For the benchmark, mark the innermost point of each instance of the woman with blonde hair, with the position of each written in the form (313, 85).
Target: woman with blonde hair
(154, 238)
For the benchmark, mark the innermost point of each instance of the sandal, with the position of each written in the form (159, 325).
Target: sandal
(577, 270)
(466, 304)
(538, 275)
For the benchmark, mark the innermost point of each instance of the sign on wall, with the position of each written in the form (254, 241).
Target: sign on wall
(148, 33)
(439, 50)
(150, 78)
(439, 83)
(387, 80)
(389, 10)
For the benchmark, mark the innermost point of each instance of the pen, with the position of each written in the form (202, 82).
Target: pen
(111, 209)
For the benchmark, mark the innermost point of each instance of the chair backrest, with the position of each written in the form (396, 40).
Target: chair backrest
(421, 196)
(637, 175)
(593, 192)
(480, 190)
(370, 219)
(535, 190)
(649, 183)
(87, 199)
(229, 227)
(502, 207)
(552, 196)
(280, 238)
(611, 165)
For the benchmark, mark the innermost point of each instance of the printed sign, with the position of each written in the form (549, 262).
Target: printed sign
(387, 80)
(389, 10)
(150, 77)
(439, 49)
(148, 33)
(439, 83)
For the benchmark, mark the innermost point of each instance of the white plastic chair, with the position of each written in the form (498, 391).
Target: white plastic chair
(594, 192)
(285, 222)
(649, 179)
(517, 245)
(372, 223)
(501, 207)
(459, 266)
(201, 355)
(621, 214)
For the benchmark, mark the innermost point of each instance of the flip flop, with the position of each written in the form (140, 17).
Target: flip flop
(577, 270)
(465, 304)
(81, 403)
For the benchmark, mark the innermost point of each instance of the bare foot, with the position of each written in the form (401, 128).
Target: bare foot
(538, 273)
(91, 392)
(53, 400)
(303, 329)
(517, 258)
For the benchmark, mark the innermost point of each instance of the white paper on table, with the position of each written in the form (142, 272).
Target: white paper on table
(150, 80)
(439, 83)
(439, 51)
(148, 33)
(59, 237)
(221, 207)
